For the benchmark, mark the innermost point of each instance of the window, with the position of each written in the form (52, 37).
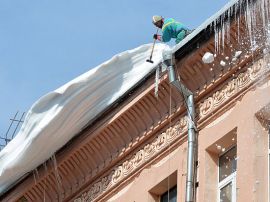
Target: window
(169, 196)
(227, 176)
(160, 193)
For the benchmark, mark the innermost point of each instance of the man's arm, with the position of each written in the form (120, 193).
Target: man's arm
(166, 37)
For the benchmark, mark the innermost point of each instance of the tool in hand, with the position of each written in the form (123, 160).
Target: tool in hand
(150, 59)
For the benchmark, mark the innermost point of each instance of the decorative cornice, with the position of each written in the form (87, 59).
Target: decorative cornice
(232, 88)
(137, 159)
(163, 140)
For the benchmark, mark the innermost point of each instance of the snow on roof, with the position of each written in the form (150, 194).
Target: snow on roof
(59, 115)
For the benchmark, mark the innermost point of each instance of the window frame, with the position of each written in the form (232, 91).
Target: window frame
(229, 179)
(168, 191)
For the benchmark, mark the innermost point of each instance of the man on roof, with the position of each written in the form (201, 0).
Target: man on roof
(170, 29)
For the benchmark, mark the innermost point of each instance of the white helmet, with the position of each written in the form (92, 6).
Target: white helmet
(156, 18)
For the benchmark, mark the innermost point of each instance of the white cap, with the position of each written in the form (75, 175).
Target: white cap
(156, 18)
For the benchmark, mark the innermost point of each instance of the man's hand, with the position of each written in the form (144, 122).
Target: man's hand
(157, 37)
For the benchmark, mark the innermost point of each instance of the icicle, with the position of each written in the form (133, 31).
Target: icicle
(228, 25)
(267, 11)
(45, 166)
(238, 28)
(238, 6)
(220, 39)
(163, 67)
(157, 82)
(57, 176)
(36, 171)
(235, 9)
(211, 26)
(36, 175)
(253, 15)
(216, 36)
(45, 184)
(35, 179)
(249, 24)
(222, 32)
(246, 13)
(263, 12)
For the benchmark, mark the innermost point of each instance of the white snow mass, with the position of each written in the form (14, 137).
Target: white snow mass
(222, 63)
(58, 116)
(208, 58)
(237, 54)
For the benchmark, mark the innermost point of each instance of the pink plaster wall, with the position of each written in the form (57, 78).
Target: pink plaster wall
(239, 126)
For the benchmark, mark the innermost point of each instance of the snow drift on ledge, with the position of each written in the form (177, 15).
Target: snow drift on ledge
(59, 115)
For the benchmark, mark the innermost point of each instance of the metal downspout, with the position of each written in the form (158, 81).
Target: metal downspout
(192, 138)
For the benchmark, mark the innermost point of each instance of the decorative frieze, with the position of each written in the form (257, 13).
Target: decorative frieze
(231, 89)
(138, 159)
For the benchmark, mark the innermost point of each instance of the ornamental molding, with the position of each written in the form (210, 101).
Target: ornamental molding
(135, 161)
(253, 74)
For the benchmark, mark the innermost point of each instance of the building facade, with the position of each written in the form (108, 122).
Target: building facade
(137, 150)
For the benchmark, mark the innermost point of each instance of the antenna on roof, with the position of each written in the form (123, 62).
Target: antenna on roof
(14, 124)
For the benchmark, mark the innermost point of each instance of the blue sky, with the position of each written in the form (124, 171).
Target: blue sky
(46, 43)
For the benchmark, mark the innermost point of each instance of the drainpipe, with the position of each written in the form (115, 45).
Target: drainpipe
(168, 60)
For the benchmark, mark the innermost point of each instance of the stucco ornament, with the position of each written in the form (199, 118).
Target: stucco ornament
(161, 141)
(255, 70)
(233, 87)
(106, 181)
(206, 106)
(127, 166)
(218, 97)
(117, 174)
(138, 158)
(230, 88)
(182, 124)
(243, 79)
(149, 150)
